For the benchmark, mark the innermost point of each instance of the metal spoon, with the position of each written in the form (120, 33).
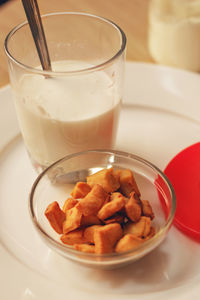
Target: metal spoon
(34, 19)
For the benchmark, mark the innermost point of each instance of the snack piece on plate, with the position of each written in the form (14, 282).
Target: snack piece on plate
(102, 219)
(106, 178)
(140, 229)
(80, 190)
(147, 209)
(85, 248)
(127, 182)
(55, 216)
(73, 219)
(116, 203)
(151, 234)
(73, 237)
(116, 218)
(128, 242)
(133, 207)
(90, 220)
(106, 237)
(69, 203)
(93, 201)
(89, 233)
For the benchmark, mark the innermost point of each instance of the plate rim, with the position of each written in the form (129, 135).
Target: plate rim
(34, 274)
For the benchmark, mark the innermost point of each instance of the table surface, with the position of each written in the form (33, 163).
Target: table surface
(130, 15)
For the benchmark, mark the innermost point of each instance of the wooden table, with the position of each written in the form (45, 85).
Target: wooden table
(130, 15)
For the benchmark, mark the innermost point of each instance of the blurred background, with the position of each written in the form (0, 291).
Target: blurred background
(3, 1)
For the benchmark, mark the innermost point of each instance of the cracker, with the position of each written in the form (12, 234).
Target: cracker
(127, 182)
(106, 237)
(133, 208)
(151, 233)
(106, 179)
(69, 203)
(73, 219)
(85, 248)
(93, 201)
(55, 216)
(140, 229)
(147, 209)
(89, 233)
(116, 218)
(128, 242)
(80, 190)
(73, 237)
(116, 203)
(108, 215)
(90, 220)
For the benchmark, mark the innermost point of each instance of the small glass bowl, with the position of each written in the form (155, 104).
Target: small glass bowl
(58, 180)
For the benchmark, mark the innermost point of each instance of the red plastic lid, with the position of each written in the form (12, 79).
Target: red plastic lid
(183, 172)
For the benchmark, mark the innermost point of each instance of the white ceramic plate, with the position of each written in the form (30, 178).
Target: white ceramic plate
(160, 117)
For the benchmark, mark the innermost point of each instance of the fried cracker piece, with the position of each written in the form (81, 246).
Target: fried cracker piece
(80, 190)
(85, 248)
(147, 210)
(73, 219)
(106, 179)
(133, 207)
(127, 182)
(73, 237)
(151, 233)
(116, 203)
(116, 218)
(107, 199)
(89, 233)
(90, 220)
(55, 216)
(93, 201)
(128, 242)
(69, 203)
(106, 237)
(140, 229)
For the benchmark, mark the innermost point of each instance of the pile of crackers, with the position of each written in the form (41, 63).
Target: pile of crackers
(104, 214)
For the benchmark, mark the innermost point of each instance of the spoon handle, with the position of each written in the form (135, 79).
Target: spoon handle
(33, 16)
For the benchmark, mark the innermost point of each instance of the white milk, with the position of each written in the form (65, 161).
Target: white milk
(67, 114)
(174, 33)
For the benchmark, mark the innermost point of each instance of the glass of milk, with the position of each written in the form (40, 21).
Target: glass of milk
(174, 33)
(75, 106)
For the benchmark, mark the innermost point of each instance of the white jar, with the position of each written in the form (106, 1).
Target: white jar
(174, 33)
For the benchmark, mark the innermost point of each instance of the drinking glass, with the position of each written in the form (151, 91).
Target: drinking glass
(75, 106)
(174, 33)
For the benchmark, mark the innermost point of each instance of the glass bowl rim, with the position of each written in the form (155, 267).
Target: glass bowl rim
(71, 250)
